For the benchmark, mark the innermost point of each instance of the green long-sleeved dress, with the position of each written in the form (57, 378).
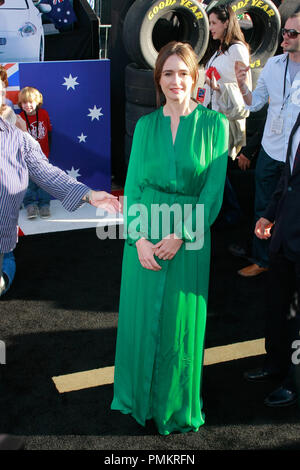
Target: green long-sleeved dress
(162, 314)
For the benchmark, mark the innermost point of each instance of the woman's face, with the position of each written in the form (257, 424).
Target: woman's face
(216, 27)
(176, 81)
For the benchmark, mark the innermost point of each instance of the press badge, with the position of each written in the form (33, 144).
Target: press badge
(277, 125)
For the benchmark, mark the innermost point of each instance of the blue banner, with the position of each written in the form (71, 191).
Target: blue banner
(77, 97)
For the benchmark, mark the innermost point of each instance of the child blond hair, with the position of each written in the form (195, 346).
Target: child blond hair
(30, 94)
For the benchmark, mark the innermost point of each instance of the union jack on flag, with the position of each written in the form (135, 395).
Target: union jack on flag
(13, 78)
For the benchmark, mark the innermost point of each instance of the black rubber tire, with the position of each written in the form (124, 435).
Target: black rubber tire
(287, 8)
(105, 11)
(133, 112)
(118, 61)
(139, 85)
(255, 73)
(127, 148)
(149, 25)
(263, 36)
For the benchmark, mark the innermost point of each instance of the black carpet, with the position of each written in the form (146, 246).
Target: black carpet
(60, 317)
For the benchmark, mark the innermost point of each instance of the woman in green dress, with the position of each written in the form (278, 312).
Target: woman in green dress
(177, 168)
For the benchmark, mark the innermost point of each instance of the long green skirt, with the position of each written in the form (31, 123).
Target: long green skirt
(161, 330)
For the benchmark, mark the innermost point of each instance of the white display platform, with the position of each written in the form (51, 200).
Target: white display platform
(61, 220)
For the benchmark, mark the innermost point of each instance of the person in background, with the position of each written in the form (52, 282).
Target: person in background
(178, 163)
(248, 154)
(3, 77)
(30, 100)
(226, 46)
(20, 157)
(280, 224)
(8, 259)
(246, 161)
(284, 104)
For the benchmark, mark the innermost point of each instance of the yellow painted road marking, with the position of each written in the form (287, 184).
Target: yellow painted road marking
(105, 375)
(234, 351)
(86, 379)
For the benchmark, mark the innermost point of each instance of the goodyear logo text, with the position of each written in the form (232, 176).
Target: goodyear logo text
(183, 3)
(255, 64)
(254, 3)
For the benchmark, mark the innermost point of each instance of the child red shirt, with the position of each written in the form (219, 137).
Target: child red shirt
(39, 126)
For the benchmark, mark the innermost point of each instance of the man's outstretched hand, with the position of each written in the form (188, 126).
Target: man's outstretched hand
(106, 201)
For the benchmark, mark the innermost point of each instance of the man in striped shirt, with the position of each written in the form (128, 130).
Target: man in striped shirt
(21, 157)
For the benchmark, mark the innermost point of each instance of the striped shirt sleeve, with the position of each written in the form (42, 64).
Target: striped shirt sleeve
(49, 177)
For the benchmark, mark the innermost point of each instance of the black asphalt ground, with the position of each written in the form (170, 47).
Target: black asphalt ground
(60, 317)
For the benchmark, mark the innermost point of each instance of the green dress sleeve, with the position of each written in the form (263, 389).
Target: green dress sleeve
(135, 227)
(199, 219)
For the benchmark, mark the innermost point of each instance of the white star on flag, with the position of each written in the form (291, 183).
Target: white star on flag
(70, 82)
(95, 113)
(74, 173)
(82, 137)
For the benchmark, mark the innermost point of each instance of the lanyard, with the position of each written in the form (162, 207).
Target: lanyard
(37, 124)
(219, 52)
(284, 85)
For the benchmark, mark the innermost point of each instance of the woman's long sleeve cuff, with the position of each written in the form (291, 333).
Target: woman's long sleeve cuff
(137, 237)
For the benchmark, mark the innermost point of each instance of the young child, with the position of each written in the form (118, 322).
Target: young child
(36, 200)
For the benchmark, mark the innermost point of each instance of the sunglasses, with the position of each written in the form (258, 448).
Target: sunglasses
(291, 33)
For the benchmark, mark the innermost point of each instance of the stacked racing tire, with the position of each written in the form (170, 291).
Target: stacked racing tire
(149, 25)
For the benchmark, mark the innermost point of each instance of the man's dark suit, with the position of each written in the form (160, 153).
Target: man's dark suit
(284, 273)
(284, 209)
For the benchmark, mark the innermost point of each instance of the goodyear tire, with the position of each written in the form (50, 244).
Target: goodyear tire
(288, 8)
(139, 85)
(262, 31)
(149, 25)
(133, 112)
(255, 73)
(127, 148)
(119, 60)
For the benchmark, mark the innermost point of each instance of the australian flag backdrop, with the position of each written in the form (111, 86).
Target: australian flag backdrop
(77, 97)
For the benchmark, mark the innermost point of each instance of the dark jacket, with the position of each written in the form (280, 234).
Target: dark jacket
(284, 208)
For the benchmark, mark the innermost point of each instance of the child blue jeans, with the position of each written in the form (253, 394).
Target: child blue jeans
(36, 196)
(8, 267)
